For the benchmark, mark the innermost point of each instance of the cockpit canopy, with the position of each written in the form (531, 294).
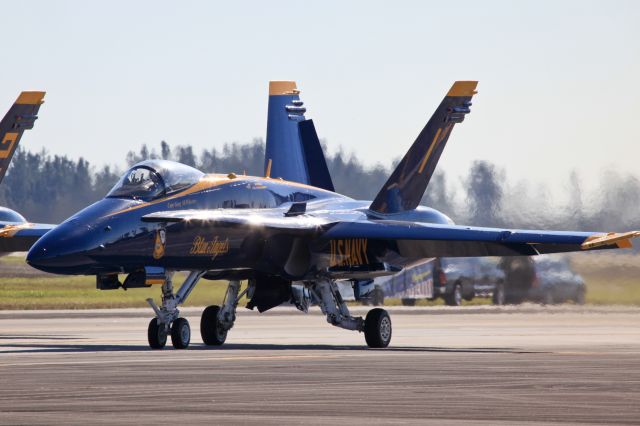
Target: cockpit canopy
(153, 179)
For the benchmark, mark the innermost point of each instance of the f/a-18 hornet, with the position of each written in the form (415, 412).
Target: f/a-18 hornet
(288, 227)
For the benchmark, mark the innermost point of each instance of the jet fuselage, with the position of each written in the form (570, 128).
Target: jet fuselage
(111, 235)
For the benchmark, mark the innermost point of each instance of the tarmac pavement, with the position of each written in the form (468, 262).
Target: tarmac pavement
(477, 365)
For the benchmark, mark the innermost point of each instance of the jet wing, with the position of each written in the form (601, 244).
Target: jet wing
(21, 236)
(410, 239)
(432, 240)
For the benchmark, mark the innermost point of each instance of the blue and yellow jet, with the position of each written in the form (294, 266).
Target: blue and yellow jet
(16, 234)
(289, 227)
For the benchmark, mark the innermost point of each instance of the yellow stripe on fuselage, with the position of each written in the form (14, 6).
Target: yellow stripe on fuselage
(268, 173)
(212, 181)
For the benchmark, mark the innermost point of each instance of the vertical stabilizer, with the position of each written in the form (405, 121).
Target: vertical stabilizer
(284, 154)
(407, 184)
(20, 117)
(314, 156)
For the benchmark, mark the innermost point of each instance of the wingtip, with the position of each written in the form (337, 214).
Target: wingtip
(11, 230)
(283, 88)
(31, 98)
(463, 88)
(621, 240)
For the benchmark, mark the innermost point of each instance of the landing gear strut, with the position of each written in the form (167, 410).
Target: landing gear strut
(216, 320)
(167, 320)
(376, 326)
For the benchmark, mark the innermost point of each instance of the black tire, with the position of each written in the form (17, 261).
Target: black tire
(499, 297)
(455, 297)
(408, 302)
(157, 334)
(180, 333)
(468, 292)
(377, 328)
(210, 329)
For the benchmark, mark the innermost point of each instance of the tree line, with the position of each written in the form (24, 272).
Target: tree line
(49, 188)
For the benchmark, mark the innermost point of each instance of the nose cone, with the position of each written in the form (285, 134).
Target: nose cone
(67, 248)
(63, 250)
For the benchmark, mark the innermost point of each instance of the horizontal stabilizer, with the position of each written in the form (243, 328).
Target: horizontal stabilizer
(407, 184)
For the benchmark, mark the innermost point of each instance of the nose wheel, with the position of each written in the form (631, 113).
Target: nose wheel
(157, 334)
(180, 333)
(167, 320)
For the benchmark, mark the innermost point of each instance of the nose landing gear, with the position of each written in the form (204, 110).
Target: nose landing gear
(167, 321)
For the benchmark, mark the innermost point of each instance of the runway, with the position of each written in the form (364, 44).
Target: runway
(484, 366)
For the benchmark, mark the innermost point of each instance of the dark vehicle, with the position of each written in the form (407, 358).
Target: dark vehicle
(519, 278)
(489, 280)
(468, 277)
(555, 282)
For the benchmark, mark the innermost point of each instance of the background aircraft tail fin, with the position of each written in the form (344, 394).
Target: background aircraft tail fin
(314, 157)
(20, 117)
(407, 184)
(293, 150)
(284, 155)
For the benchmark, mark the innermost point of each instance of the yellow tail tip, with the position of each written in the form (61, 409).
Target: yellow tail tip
(30, 98)
(463, 88)
(283, 88)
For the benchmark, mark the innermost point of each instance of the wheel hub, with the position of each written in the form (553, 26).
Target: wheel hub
(185, 334)
(385, 329)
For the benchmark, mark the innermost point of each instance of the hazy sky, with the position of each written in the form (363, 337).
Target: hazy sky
(559, 80)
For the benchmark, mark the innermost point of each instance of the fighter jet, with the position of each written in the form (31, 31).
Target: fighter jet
(286, 229)
(16, 233)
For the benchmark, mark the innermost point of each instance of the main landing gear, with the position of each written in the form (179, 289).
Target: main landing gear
(376, 326)
(216, 320)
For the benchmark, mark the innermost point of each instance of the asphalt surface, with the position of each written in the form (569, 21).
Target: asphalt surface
(480, 366)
